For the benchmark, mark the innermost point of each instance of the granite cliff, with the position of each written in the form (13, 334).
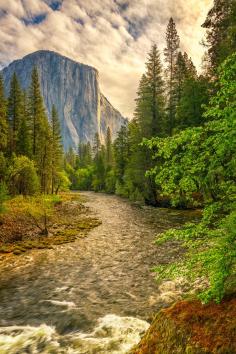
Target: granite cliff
(74, 89)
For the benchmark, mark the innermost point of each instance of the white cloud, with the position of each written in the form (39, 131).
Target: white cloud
(113, 36)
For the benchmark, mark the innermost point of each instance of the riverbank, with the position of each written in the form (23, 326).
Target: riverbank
(43, 222)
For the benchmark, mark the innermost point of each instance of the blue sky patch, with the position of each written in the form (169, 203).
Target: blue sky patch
(34, 20)
(55, 5)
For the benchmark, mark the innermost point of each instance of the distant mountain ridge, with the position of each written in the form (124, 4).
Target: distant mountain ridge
(74, 89)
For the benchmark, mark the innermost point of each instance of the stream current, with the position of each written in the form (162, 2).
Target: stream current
(95, 295)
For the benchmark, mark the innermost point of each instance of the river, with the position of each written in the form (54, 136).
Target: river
(95, 295)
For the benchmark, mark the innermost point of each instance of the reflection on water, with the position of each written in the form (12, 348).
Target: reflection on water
(71, 287)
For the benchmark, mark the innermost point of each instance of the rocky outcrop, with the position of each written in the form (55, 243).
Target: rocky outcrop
(188, 327)
(74, 89)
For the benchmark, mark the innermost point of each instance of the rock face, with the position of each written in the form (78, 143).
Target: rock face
(74, 89)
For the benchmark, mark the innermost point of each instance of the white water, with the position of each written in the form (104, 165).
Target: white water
(113, 335)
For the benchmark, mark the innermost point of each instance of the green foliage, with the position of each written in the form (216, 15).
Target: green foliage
(220, 34)
(3, 118)
(204, 160)
(3, 196)
(3, 167)
(110, 182)
(39, 209)
(41, 134)
(171, 58)
(84, 178)
(23, 177)
(14, 113)
(58, 177)
(61, 182)
(194, 95)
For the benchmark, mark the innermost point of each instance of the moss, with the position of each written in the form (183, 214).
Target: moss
(69, 220)
(5, 249)
(88, 223)
(193, 328)
(17, 252)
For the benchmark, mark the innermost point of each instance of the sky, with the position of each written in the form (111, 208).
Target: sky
(114, 36)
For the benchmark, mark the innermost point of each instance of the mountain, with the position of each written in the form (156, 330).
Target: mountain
(74, 89)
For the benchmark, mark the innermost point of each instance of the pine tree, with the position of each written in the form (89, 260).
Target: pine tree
(15, 112)
(121, 153)
(23, 143)
(171, 55)
(3, 118)
(85, 155)
(37, 111)
(99, 164)
(149, 111)
(193, 98)
(109, 152)
(180, 74)
(41, 133)
(57, 152)
(155, 90)
(221, 33)
(96, 145)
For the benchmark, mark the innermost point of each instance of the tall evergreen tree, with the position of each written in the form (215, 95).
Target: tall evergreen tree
(37, 111)
(109, 152)
(15, 112)
(121, 153)
(23, 135)
(221, 33)
(154, 93)
(96, 146)
(85, 155)
(41, 133)
(99, 164)
(171, 55)
(149, 111)
(57, 152)
(190, 108)
(180, 74)
(3, 117)
(149, 121)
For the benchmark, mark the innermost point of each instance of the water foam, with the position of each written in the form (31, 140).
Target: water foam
(112, 335)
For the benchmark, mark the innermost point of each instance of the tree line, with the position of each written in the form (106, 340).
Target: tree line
(31, 153)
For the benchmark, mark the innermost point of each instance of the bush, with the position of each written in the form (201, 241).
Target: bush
(3, 167)
(110, 182)
(3, 196)
(39, 209)
(62, 182)
(84, 179)
(23, 176)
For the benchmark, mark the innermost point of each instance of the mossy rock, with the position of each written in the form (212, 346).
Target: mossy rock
(189, 327)
(17, 252)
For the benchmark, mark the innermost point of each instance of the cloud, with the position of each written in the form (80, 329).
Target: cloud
(112, 35)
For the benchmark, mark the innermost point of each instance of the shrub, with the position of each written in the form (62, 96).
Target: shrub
(23, 176)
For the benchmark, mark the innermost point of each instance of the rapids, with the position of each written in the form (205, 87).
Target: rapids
(95, 295)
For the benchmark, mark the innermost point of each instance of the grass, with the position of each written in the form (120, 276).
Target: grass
(67, 220)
